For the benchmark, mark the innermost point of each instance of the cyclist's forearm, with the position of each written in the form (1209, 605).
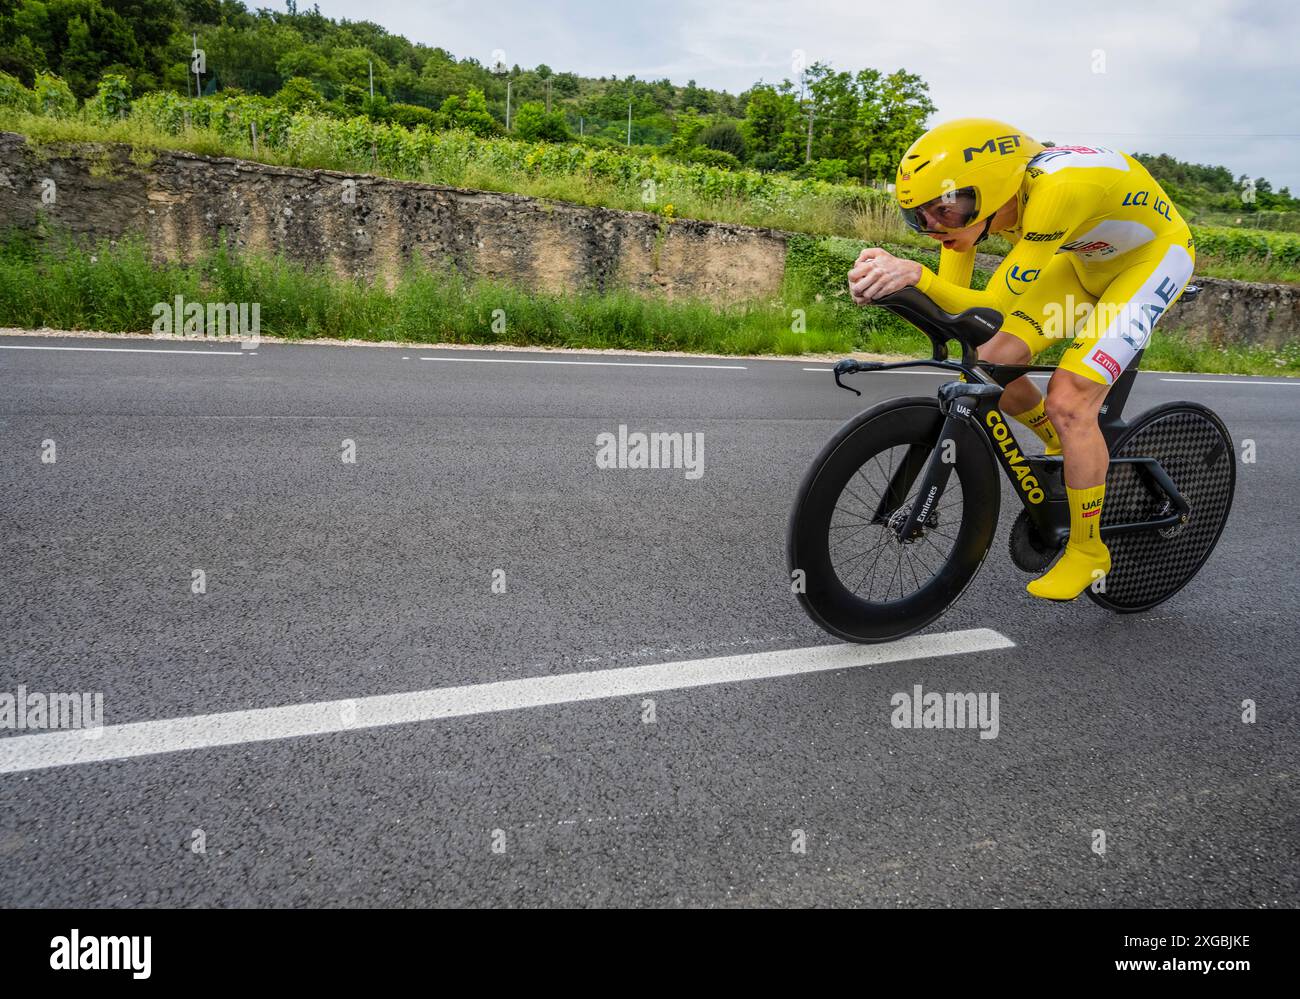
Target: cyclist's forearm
(953, 297)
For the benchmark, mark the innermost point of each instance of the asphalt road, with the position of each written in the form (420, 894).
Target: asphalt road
(331, 581)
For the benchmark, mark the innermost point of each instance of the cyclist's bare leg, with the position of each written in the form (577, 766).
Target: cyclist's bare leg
(1073, 403)
(1022, 394)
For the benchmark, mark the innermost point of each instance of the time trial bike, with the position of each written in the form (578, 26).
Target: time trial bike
(897, 514)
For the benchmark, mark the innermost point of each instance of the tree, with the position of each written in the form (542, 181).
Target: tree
(725, 137)
(893, 115)
(771, 124)
(686, 129)
(300, 94)
(835, 100)
(534, 124)
(471, 113)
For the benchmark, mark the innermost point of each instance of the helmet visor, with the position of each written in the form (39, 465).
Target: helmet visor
(949, 212)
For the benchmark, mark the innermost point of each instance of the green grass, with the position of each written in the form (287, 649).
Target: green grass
(55, 283)
(114, 289)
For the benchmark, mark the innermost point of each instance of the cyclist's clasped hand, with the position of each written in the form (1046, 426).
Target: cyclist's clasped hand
(879, 273)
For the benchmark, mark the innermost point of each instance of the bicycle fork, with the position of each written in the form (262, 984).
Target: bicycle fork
(958, 402)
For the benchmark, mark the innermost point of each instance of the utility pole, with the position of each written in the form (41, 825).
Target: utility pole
(500, 69)
(808, 155)
(548, 95)
(629, 121)
(198, 83)
(371, 64)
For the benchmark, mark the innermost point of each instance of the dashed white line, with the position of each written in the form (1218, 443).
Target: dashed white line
(117, 742)
(606, 364)
(1226, 381)
(133, 350)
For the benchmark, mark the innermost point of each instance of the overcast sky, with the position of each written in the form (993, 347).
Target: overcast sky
(1211, 81)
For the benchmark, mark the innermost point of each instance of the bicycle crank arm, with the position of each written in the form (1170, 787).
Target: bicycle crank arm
(1156, 479)
(1173, 520)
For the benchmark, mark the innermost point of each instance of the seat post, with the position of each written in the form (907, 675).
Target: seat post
(1111, 417)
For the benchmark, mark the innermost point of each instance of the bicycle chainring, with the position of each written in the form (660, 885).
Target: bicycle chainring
(1029, 551)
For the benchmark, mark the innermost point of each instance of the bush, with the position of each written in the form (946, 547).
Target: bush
(53, 97)
(831, 171)
(725, 137)
(533, 124)
(300, 94)
(14, 95)
(410, 115)
(1238, 245)
(713, 157)
(112, 99)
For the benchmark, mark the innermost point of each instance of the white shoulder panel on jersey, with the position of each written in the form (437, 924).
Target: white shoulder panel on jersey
(1059, 157)
(1129, 324)
(1108, 238)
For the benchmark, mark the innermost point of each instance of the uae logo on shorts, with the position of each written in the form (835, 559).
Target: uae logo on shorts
(1104, 360)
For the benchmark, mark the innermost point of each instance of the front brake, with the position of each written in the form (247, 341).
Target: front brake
(848, 366)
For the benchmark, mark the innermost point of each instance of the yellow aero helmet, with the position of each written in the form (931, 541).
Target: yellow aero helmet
(961, 172)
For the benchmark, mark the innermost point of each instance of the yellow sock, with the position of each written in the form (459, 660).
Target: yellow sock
(1085, 558)
(1036, 419)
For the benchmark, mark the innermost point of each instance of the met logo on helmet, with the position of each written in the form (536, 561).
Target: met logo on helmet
(1004, 144)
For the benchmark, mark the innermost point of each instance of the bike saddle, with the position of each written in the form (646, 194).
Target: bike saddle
(972, 327)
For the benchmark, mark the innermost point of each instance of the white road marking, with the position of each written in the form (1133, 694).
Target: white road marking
(132, 350)
(606, 364)
(117, 742)
(1226, 381)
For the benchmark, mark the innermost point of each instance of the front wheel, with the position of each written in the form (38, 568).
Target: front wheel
(861, 581)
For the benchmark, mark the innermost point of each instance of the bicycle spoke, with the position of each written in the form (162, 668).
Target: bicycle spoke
(871, 571)
(845, 541)
(916, 553)
(911, 567)
(865, 505)
(861, 507)
(861, 554)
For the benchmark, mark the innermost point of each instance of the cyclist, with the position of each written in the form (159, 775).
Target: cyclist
(1097, 245)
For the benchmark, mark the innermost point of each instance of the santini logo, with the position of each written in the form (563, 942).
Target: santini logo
(78, 953)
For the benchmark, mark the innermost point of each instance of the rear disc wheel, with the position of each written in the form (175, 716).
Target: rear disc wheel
(1194, 448)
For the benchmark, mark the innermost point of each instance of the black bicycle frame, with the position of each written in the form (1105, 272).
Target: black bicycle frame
(1037, 480)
